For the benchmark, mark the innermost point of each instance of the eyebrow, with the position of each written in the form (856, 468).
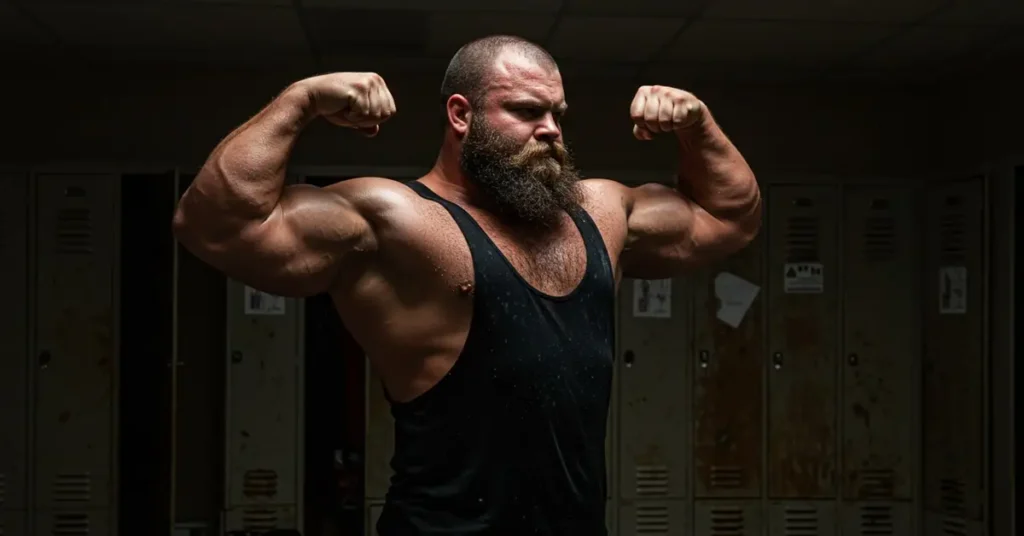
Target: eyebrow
(527, 101)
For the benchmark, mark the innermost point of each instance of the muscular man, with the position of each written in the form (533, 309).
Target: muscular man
(482, 292)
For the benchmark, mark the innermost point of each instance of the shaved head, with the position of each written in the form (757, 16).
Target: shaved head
(471, 66)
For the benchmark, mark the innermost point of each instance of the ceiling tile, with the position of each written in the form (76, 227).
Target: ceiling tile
(388, 67)
(370, 33)
(202, 27)
(685, 75)
(774, 42)
(612, 39)
(448, 31)
(576, 69)
(540, 6)
(646, 8)
(996, 12)
(928, 46)
(16, 29)
(824, 10)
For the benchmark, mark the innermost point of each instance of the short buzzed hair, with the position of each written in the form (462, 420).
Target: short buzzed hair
(471, 65)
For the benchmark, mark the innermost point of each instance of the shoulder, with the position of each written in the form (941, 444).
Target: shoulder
(607, 202)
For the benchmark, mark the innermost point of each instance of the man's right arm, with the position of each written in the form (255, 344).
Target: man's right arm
(239, 216)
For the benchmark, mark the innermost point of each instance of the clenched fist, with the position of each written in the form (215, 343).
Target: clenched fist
(355, 100)
(664, 109)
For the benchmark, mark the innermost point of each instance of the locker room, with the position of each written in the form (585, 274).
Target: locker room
(851, 372)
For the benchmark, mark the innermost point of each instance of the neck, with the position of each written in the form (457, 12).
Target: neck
(447, 175)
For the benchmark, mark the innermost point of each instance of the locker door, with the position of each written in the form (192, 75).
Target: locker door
(802, 324)
(954, 361)
(14, 393)
(729, 393)
(653, 359)
(380, 438)
(881, 341)
(76, 248)
(264, 411)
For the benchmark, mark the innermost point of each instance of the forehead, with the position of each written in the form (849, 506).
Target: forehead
(516, 75)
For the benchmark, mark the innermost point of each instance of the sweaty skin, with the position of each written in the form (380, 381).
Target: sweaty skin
(396, 265)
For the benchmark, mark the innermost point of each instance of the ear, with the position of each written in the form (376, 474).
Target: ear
(459, 114)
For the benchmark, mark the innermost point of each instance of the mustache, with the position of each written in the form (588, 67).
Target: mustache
(545, 150)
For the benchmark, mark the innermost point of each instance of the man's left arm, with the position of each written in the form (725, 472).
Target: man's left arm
(715, 208)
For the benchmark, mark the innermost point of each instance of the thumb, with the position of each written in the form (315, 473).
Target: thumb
(642, 133)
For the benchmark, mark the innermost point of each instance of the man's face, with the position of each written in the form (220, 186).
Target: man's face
(514, 152)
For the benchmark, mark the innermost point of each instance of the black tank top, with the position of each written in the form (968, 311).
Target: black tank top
(512, 440)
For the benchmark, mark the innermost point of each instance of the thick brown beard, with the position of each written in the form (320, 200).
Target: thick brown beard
(529, 185)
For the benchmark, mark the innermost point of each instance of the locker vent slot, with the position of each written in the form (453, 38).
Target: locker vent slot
(877, 483)
(651, 480)
(71, 524)
(802, 239)
(953, 526)
(259, 483)
(72, 488)
(879, 239)
(651, 519)
(953, 232)
(953, 497)
(801, 522)
(74, 231)
(876, 520)
(727, 521)
(725, 477)
(259, 519)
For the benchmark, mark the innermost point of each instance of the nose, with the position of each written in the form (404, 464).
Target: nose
(548, 130)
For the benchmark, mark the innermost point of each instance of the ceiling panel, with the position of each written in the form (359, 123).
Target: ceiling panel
(16, 29)
(928, 46)
(775, 43)
(195, 27)
(577, 69)
(824, 10)
(446, 32)
(632, 8)
(612, 39)
(388, 67)
(371, 33)
(996, 12)
(540, 6)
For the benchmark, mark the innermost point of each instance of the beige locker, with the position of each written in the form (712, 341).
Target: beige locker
(954, 360)
(75, 372)
(14, 356)
(646, 517)
(380, 439)
(802, 326)
(727, 517)
(652, 361)
(872, 518)
(372, 515)
(802, 518)
(728, 376)
(881, 342)
(263, 422)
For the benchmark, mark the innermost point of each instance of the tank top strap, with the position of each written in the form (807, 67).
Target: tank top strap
(470, 229)
(599, 263)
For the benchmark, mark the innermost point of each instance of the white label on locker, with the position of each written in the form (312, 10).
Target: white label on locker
(953, 290)
(804, 278)
(261, 303)
(652, 298)
(735, 295)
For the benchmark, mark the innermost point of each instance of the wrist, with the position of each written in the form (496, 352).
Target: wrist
(300, 102)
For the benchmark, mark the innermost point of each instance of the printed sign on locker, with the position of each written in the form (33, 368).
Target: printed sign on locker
(804, 278)
(652, 298)
(262, 303)
(953, 290)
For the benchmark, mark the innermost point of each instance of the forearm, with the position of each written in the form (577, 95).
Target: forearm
(244, 176)
(715, 176)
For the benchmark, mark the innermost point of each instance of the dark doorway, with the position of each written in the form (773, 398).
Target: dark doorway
(147, 205)
(334, 420)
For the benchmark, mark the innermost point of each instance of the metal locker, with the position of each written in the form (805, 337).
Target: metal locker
(263, 421)
(802, 518)
(880, 363)
(889, 518)
(954, 407)
(802, 325)
(726, 517)
(75, 373)
(648, 517)
(14, 357)
(652, 359)
(728, 378)
(380, 439)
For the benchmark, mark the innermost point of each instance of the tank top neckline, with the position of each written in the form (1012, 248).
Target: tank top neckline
(458, 212)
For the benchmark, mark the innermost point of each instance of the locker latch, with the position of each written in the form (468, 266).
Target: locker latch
(777, 360)
(702, 357)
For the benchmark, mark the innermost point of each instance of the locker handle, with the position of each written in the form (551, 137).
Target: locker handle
(777, 360)
(852, 358)
(703, 358)
(44, 359)
(628, 358)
